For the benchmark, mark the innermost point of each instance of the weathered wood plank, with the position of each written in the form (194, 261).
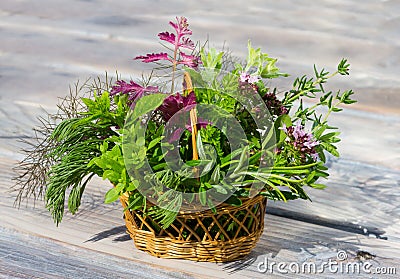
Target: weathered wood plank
(27, 256)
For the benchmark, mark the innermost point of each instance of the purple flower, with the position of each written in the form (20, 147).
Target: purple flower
(132, 89)
(301, 140)
(175, 103)
(244, 77)
(153, 57)
(283, 128)
(181, 28)
(274, 106)
(298, 132)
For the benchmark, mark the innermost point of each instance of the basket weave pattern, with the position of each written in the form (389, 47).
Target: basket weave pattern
(202, 236)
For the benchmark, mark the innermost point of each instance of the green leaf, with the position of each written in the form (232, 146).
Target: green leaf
(318, 130)
(243, 159)
(335, 109)
(343, 67)
(328, 136)
(154, 143)
(147, 104)
(268, 137)
(195, 163)
(137, 202)
(220, 189)
(111, 175)
(330, 102)
(200, 148)
(111, 196)
(88, 102)
(283, 119)
(318, 186)
(212, 206)
(234, 200)
(330, 148)
(203, 195)
(132, 186)
(215, 176)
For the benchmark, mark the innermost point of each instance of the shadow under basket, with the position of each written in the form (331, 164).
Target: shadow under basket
(229, 234)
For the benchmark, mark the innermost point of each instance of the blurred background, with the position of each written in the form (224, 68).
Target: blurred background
(47, 45)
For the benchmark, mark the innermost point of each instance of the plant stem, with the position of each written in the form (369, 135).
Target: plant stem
(173, 74)
(317, 81)
(193, 119)
(174, 63)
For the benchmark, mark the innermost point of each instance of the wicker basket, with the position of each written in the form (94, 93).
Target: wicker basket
(229, 234)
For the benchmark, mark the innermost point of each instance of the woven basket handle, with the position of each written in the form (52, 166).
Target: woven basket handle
(188, 87)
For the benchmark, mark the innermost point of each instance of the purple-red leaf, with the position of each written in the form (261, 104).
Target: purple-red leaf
(175, 103)
(187, 43)
(152, 57)
(176, 134)
(132, 89)
(189, 60)
(166, 36)
(201, 123)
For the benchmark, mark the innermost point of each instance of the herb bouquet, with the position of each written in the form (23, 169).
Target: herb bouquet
(193, 152)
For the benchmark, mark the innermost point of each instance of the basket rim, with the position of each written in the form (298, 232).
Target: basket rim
(221, 208)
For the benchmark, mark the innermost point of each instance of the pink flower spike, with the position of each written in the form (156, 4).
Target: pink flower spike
(189, 60)
(166, 36)
(283, 128)
(153, 57)
(245, 77)
(253, 79)
(181, 26)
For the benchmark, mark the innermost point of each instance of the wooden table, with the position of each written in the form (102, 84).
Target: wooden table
(47, 45)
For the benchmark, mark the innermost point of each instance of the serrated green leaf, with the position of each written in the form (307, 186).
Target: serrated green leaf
(88, 102)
